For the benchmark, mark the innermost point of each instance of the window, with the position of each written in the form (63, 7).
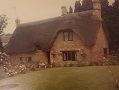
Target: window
(69, 55)
(38, 47)
(105, 52)
(28, 59)
(68, 36)
(21, 58)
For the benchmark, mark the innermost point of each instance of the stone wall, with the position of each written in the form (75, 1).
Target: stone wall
(36, 56)
(101, 43)
(61, 45)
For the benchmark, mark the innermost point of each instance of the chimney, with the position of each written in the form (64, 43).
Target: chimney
(97, 8)
(17, 21)
(64, 10)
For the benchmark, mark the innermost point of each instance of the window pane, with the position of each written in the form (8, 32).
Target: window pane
(21, 58)
(64, 56)
(28, 59)
(70, 36)
(69, 55)
(73, 56)
(65, 36)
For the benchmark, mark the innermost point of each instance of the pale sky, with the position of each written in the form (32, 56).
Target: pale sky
(32, 10)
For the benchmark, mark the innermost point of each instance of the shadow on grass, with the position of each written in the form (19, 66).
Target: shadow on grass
(8, 86)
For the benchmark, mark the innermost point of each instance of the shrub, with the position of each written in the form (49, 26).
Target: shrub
(33, 67)
(114, 60)
(81, 64)
(65, 64)
(11, 73)
(22, 69)
(42, 65)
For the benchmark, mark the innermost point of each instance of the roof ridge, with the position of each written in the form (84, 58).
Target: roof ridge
(40, 21)
(53, 19)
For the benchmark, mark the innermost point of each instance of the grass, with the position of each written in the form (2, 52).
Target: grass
(69, 78)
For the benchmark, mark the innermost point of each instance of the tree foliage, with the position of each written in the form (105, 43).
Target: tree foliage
(104, 3)
(116, 4)
(113, 24)
(70, 10)
(110, 14)
(77, 7)
(3, 23)
(105, 9)
(87, 5)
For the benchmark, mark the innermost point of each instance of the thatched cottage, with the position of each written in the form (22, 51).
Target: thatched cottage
(70, 38)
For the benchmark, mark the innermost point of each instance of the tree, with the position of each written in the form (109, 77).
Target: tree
(3, 23)
(116, 4)
(105, 9)
(114, 26)
(87, 5)
(3, 56)
(77, 7)
(70, 10)
(104, 3)
(110, 15)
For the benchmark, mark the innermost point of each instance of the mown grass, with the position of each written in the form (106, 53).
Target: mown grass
(69, 78)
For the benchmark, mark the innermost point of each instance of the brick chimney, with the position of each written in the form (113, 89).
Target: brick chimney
(64, 10)
(97, 8)
(17, 21)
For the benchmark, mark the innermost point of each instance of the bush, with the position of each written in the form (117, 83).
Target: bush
(22, 69)
(114, 60)
(81, 64)
(11, 73)
(42, 65)
(33, 67)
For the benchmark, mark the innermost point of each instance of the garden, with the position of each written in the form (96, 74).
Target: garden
(38, 76)
(64, 78)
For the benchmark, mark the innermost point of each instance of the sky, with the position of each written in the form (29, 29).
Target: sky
(32, 10)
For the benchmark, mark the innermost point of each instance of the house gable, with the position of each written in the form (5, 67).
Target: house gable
(60, 45)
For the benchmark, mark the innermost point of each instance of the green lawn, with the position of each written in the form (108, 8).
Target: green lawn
(69, 78)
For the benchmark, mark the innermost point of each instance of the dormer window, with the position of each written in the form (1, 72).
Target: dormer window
(38, 47)
(21, 58)
(68, 36)
(28, 59)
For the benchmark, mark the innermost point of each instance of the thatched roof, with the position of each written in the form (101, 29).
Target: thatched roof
(43, 32)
